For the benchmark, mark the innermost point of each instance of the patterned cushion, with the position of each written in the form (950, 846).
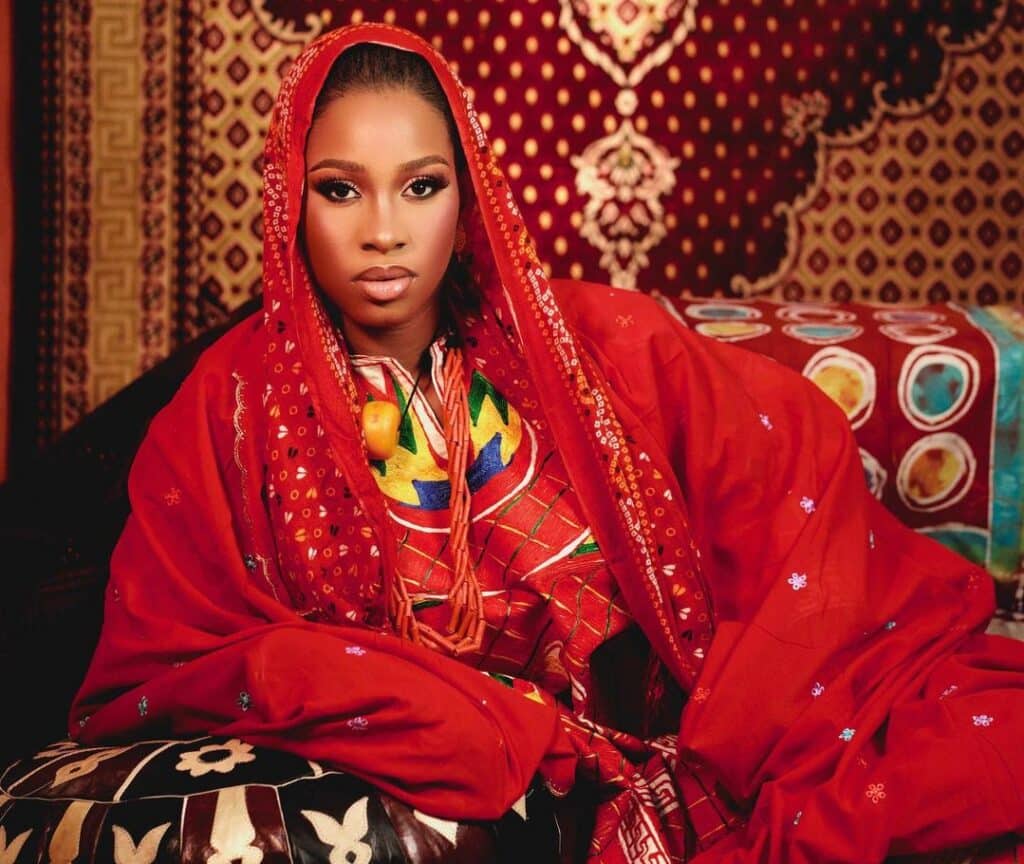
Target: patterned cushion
(220, 800)
(934, 397)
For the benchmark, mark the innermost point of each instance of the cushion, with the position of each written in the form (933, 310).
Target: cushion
(221, 800)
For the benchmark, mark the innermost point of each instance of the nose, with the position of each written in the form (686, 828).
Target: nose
(383, 229)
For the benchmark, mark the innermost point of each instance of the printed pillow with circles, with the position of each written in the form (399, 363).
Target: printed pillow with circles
(221, 801)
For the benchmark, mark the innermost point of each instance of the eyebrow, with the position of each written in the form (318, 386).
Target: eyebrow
(357, 168)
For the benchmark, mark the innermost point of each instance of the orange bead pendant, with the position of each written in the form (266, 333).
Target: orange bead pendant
(380, 429)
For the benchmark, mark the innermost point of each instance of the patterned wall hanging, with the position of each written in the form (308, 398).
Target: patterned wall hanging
(865, 150)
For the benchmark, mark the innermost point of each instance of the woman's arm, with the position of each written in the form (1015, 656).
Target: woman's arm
(199, 636)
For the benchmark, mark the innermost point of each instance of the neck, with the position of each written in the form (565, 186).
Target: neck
(404, 343)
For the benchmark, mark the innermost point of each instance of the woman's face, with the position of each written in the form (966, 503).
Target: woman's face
(381, 209)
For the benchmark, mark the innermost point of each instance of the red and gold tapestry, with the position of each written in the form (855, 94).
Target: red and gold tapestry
(863, 150)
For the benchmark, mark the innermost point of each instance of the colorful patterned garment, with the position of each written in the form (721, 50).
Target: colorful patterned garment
(842, 702)
(549, 600)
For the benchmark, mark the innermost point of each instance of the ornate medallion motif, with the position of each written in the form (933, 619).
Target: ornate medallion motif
(625, 175)
(633, 29)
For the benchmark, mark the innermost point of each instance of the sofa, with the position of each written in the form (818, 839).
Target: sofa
(934, 397)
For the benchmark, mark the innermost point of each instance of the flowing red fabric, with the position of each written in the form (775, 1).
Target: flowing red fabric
(841, 695)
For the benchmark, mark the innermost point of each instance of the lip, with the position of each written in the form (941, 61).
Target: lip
(384, 285)
(382, 274)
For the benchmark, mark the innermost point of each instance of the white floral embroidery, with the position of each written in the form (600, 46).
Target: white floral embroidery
(358, 650)
(346, 838)
(807, 505)
(875, 792)
(197, 764)
(983, 719)
(847, 734)
(684, 613)
(890, 625)
(949, 691)
(817, 689)
(357, 723)
(798, 581)
(765, 421)
(871, 539)
(698, 653)
(796, 818)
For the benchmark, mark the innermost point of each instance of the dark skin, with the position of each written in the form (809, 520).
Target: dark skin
(380, 218)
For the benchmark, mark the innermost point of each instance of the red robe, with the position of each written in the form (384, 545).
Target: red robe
(840, 695)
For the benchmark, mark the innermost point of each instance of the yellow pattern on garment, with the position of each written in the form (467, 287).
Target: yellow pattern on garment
(405, 466)
(424, 465)
(489, 423)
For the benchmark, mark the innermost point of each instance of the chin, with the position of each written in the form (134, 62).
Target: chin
(389, 316)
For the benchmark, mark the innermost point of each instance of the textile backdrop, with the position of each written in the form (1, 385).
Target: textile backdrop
(865, 150)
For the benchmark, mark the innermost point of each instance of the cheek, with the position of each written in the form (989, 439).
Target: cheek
(443, 236)
(323, 236)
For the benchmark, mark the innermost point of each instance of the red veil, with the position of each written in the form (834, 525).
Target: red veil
(839, 689)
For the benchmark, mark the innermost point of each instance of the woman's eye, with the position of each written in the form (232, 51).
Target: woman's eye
(424, 187)
(336, 190)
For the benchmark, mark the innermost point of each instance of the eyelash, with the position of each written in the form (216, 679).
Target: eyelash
(331, 188)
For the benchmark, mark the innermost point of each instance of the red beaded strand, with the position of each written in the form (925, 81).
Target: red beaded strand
(466, 625)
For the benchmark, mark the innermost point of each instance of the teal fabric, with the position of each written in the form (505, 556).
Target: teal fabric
(1006, 521)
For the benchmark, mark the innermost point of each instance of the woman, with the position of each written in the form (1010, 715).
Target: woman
(659, 548)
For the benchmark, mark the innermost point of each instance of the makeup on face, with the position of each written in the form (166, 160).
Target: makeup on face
(380, 215)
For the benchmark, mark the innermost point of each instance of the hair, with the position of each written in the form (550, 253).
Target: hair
(369, 66)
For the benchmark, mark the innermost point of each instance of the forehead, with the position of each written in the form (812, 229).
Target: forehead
(379, 123)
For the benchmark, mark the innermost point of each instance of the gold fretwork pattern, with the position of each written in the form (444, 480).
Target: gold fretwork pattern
(116, 235)
(925, 205)
(119, 166)
(112, 349)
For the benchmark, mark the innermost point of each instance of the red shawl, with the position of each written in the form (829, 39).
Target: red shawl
(837, 684)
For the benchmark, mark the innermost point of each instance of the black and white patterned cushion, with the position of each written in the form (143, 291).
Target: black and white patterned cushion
(224, 801)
